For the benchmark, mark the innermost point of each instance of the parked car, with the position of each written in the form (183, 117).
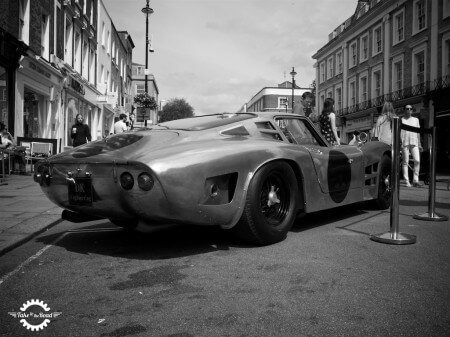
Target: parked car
(254, 172)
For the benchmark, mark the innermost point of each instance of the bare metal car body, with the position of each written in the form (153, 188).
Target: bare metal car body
(201, 170)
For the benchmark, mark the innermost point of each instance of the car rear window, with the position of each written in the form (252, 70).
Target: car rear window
(206, 122)
(110, 143)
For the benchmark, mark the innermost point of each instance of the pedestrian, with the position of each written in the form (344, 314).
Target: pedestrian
(355, 139)
(120, 126)
(410, 144)
(132, 119)
(382, 131)
(81, 134)
(327, 121)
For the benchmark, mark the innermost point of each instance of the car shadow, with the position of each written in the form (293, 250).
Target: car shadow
(161, 243)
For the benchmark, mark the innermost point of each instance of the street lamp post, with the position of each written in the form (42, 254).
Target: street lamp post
(147, 11)
(293, 73)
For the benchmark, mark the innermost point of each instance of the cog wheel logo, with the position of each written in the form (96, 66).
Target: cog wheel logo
(28, 318)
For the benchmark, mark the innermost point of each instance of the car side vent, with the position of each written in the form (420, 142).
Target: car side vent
(237, 131)
(264, 125)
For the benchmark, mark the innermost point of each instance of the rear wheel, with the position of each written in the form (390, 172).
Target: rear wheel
(271, 205)
(383, 200)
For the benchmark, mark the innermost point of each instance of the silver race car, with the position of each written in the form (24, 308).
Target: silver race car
(251, 172)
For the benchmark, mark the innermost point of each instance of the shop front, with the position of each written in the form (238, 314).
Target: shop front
(38, 103)
(11, 50)
(81, 99)
(361, 124)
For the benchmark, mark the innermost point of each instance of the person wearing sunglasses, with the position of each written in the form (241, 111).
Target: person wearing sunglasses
(411, 144)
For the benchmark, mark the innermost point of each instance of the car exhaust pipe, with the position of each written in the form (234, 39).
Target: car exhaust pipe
(77, 217)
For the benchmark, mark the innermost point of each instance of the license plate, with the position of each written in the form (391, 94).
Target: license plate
(80, 191)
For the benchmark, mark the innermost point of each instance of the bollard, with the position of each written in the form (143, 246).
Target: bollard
(3, 179)
(431, 215)
(394, 236)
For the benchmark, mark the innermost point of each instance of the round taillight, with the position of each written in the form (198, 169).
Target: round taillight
(145, 181)
(126, 181)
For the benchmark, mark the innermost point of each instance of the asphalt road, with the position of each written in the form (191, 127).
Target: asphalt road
(326, 279)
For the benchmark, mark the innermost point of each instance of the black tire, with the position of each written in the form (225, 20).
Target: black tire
(383, 200)
(129, 225)
(271, 205)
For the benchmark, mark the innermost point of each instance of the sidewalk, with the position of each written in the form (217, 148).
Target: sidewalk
(26, 212)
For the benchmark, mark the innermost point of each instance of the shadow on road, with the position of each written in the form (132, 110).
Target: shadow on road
(172, 242)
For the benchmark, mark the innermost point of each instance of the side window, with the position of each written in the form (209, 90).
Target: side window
(296, 131)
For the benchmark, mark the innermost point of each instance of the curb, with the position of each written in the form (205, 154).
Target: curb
(29, 237)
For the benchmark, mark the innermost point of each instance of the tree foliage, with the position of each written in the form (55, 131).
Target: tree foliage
(176, 108)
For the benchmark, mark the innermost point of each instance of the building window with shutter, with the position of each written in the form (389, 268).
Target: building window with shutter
(377, 40)
(399, 27)
(419, 16)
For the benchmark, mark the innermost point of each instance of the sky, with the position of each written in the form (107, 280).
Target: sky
(217, 54)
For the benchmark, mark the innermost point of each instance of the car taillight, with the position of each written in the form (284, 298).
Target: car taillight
(126, 181)
(145, 181)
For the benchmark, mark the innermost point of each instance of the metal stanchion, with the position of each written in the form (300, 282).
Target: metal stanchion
(3, 179)
(393, 236)
(431, 215)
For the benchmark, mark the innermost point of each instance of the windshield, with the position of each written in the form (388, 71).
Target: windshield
(206, 122)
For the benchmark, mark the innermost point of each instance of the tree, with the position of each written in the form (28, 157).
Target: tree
(176, 108)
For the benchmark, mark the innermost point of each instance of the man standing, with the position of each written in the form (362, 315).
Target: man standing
(411, 144)
(120, 126)
(80, 132)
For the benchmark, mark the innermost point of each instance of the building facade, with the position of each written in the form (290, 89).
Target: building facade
(138, 87)
(278, 99)
(54, 65)
(387, 51)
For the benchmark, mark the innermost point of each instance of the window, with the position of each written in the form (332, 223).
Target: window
(376, 82)
(322, 100)
(352, 93)
(377, 40)
(68, 42)
(338, 96)
(419, 16)
(397, 74)
(339, 62)
(282, 103)
(108, 41)
(85, 70)
(364, 44)
(91, 14)
(330, 67)
(108, 81)
(446, 9)
(330, 93)
(363, 89)
(92, 66)
(24, 21)
(353, 55)
(322, 72)
(77, 56)
(418, 65)
(446, 55)
(103, 34)
(296, 131)
(399, 27)
(114, 48)
(45, 37)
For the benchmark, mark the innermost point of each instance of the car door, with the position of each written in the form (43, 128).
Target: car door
(338, 168)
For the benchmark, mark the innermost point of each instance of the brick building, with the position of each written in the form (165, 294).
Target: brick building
(277, 99)
(388, 50)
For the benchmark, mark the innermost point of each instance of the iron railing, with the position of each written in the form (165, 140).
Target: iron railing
(412, 91)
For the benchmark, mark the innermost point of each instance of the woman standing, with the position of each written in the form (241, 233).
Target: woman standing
(383, 128)
(327, 120)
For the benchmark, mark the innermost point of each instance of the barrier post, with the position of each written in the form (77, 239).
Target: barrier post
(3, 179)
(431, 215)
(394, 236)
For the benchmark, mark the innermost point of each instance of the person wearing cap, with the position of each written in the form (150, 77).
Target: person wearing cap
(410, 144)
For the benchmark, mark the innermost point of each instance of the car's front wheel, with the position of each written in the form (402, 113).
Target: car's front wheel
(271, 205)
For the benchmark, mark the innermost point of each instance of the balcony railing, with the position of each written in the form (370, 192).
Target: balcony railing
(413, 91)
